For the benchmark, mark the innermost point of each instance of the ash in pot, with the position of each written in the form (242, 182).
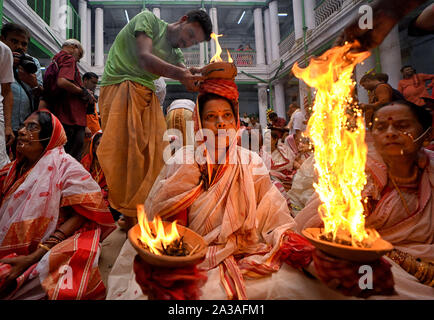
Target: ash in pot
(344, 237)
(176, 248)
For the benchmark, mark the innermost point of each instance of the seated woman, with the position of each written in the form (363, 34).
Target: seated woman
(279, 159)
(231, 202)
(52, 218)
(91, 164)
(400, 195)
(302, 186)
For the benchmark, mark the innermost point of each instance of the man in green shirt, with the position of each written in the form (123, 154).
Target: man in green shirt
(131, 149)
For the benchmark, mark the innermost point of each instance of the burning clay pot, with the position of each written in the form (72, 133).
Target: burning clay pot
(220, 70)
(192, 241)
(378, 248)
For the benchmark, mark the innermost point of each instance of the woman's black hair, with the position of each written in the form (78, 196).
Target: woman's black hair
(204, 98)
(422, 115)
(45, 122)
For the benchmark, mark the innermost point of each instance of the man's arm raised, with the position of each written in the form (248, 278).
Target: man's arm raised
(155, 65)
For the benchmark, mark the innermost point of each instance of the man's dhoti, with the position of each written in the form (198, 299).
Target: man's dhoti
(131, 149)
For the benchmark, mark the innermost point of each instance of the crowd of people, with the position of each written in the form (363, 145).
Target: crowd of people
(69, 173)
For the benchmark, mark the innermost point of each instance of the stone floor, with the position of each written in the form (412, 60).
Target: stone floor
(111, 246)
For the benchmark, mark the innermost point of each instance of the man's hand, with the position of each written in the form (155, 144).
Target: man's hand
(386, 14)
(16, 58)
(190, 81)
(27, 78)
(87, 95)
(9, 136)
(195, 70)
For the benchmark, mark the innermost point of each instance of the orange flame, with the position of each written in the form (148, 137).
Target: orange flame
(339, 151)
(217, 57)
(229, 57)
(153, 234)
(218, 49)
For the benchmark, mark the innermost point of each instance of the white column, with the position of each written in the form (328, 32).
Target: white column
(59, 17)
(82, 11)
(54, 15)
(309, 13)
(361, 70)
(156, 11)
(88, 48)
(202, 53)
(99, 37)
(279, 100)
(390, 57)
(259, 36)
(267, 36)
(275, 33)
(263, 103)
(297, 10)
(215, 29)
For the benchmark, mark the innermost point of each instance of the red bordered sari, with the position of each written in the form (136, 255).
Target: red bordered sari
(33, 206)
(236, 208)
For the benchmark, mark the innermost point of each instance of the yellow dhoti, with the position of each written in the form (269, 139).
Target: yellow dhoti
(131, 149)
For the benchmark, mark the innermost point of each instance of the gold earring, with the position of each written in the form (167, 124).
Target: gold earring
(425, 143)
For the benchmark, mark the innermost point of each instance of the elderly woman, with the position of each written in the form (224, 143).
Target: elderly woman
(223, 192)
(399, 193)
(52, 218)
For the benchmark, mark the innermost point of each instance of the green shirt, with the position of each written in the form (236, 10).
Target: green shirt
(122, 63)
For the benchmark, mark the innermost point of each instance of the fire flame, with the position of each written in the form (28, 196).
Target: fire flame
(153, 234)
(337, 131)
(216, 57)
(229, 57)
(218, 49)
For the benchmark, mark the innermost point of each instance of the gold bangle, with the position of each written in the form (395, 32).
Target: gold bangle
(43, 246)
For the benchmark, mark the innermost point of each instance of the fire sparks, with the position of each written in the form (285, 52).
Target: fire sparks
(153, 234)
(337, 131)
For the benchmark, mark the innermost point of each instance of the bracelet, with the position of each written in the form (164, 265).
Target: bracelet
(56, 238)
(43, 246)
(61, 232)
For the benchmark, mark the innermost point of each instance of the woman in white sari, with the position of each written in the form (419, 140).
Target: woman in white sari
(232, 203)
(399, 195)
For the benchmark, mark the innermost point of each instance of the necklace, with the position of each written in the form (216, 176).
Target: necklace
(396, 181)
(403, 181)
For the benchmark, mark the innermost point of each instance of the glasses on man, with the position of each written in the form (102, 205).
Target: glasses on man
(31, 127)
